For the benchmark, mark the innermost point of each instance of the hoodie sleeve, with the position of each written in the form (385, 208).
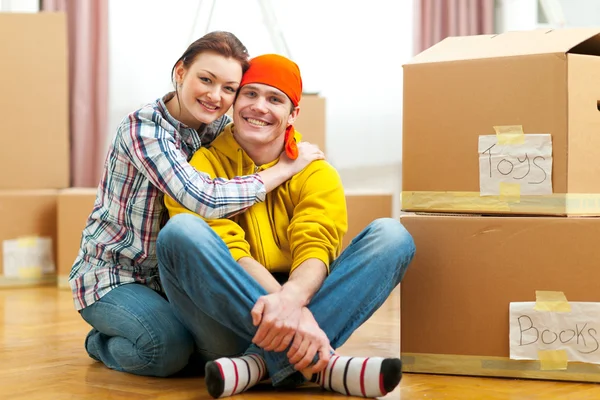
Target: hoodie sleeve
(228, 230)
(320, 217)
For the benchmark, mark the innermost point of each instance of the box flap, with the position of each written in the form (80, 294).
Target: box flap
(514, 43)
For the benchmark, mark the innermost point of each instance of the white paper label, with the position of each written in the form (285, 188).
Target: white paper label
(577, 331)
(528, 164)
(29, 257)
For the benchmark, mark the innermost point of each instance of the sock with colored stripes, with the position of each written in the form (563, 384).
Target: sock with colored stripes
(360, 376)
(228, 376)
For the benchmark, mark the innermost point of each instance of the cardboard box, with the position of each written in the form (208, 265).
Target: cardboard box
(363, 208)
(467, 270)
(34, 137)
(544, 81)
(74, 207)
(311, 121)
(28, 224)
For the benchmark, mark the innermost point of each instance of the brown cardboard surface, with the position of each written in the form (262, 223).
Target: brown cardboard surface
(34, 137)
(311, 121)
(584, 124)
(364, 208)
(466, 271)
(74, 207)
(27, 213)
(462, 87)
(513, 43)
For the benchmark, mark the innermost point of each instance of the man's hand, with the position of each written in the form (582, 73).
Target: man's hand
(309, 340)
(277, 315)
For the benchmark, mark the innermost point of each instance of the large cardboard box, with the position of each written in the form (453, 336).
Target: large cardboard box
(457, 292)
(74, 207)
(27, 237)
(34, 136)
(363, 208)
(542, 82)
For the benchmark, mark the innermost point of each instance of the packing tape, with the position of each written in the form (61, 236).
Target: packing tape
(580, 204)
(510, 192)
(551, 360)
(27, 241)
(510, 134)
(32, 272)
(551, 301)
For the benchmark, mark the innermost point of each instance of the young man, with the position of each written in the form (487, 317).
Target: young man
(270, 285)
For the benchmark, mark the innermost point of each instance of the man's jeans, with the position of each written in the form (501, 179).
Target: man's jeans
(212, 295)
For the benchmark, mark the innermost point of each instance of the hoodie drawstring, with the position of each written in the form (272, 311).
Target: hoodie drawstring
(240, 161)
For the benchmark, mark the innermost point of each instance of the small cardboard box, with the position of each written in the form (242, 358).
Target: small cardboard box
(457, 293)
(34, 136)
(463, 88)
(363, 208)
(74, 207)
(311, 121)
(27, 237)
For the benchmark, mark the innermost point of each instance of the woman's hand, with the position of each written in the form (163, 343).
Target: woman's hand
(307, 153)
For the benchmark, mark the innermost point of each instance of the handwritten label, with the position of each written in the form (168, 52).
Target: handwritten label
(577, 331)
(28, 258)
(527, 164)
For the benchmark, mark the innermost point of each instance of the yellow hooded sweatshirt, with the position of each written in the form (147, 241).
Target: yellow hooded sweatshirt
(305, 217)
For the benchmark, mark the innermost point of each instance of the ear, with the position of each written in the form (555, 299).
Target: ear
(293, 115)
(180, 72)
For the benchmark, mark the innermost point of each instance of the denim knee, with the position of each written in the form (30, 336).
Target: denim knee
(167, 354)
(391, 238)
(180, 229)
(391, 232)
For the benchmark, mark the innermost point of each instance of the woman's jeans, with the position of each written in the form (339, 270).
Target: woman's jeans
(211, 295)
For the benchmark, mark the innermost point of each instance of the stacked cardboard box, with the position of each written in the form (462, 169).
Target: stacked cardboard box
(34, 144)
(74, 207)
(500, 151)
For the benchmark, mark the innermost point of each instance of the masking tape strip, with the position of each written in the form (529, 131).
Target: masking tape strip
(576, 204)
(510, 134)
(510, 192)
(551, 360)
(551, 301)
(27, 241)
(32, 272)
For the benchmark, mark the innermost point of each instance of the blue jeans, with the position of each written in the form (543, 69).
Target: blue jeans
(135, 331)
(212, 295)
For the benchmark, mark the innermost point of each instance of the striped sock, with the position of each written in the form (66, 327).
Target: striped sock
(228, 376)
(360, 376)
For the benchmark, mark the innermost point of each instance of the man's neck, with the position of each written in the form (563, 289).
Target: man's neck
(262, 154)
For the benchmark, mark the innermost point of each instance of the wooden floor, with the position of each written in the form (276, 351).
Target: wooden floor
(41, 357)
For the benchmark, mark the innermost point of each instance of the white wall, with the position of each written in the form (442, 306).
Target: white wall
(19, 5)
(348, 50)
(529, 14)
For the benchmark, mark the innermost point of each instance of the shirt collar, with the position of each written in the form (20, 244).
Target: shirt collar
(189, 135)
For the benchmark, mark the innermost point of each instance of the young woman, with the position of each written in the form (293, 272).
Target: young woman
(114, 279)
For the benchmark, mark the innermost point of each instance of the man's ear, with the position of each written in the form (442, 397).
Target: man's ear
(293, 115)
